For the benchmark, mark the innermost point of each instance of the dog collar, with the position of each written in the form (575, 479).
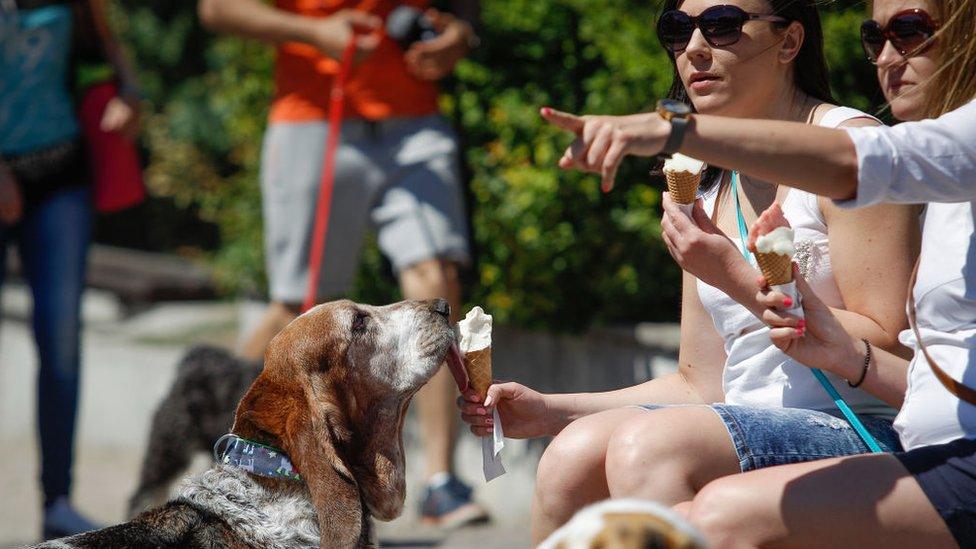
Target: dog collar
(254, 457)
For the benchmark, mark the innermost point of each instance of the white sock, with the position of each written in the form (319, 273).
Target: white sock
(439, 479)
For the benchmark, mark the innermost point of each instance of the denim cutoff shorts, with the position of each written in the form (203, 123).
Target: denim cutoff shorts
(764, 437)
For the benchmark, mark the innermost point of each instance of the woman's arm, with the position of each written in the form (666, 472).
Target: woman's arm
(872, 252)
(914, 162)
(701, 360)
(255, 19)
(120, 61)
(816, 159)
(122, 112)
(825, 344)
(528, 414)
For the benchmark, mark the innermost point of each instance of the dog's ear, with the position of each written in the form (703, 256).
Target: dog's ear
(305, 433)
(379, 462)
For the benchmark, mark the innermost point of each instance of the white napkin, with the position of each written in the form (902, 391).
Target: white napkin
(491, 450)
(789, 290)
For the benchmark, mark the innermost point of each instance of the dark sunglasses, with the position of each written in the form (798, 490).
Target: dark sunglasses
(720, 25)
(909, 31)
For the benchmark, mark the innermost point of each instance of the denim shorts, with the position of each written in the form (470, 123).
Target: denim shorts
(947, 475)
(764, 437)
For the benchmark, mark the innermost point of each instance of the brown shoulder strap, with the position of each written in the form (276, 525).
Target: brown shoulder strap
(963, 392)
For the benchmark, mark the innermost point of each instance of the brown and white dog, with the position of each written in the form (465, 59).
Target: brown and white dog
(333, 394)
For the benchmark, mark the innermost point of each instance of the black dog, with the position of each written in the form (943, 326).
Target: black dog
(198, 410)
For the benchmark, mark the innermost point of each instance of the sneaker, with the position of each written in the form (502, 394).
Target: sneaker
(448, 504)
(62, 520)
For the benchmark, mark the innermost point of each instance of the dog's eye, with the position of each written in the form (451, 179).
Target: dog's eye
(359, 322)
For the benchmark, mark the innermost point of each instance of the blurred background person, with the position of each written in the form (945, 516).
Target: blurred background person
(45, 208)
(396, 169)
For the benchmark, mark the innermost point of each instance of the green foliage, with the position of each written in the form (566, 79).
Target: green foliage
(553, 251)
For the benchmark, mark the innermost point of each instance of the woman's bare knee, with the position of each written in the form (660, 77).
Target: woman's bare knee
(571, 471)
(572, 465)
(647, 458)
(727, 515)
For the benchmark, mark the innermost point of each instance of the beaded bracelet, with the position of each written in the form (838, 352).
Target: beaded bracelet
(864, 369)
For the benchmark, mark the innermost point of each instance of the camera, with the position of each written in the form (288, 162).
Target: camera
(407, 25)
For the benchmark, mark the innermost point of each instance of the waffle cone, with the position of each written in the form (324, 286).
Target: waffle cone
(683, 186)
(778, 269)
(478, 365)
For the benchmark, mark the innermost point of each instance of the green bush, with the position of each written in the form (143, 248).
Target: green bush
(553, 251)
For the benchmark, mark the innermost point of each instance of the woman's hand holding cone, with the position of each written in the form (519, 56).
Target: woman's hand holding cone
(818, 340)
(700, 248)
(524, 413)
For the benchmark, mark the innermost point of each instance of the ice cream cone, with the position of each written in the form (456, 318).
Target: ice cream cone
(478, 365)
(777, 268)
(683, 186)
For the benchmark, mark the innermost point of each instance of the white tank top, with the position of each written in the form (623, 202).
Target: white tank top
(756, 372)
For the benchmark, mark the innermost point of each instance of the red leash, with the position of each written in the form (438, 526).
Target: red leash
(336, 104)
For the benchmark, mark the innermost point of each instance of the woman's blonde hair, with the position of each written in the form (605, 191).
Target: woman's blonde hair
(954, 82)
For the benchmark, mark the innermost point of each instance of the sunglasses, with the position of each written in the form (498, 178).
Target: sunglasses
(908, 31)
(720, 25)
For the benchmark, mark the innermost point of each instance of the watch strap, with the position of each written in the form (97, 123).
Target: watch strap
(679, 126)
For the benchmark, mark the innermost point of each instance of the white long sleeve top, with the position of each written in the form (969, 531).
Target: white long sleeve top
(934, 162)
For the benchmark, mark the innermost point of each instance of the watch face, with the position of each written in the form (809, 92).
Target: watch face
(676, 108)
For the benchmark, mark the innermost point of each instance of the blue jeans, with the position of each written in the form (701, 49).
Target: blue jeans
(53, 239)
(764, 437)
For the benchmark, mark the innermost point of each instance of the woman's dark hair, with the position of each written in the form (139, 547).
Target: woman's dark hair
(810, 75)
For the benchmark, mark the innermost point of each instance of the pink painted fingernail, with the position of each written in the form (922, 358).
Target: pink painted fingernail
(546, 111)
(482, 412)
(799, 332)
(802, 323)
(787, 301)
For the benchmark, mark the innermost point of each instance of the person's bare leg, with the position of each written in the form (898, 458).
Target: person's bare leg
(435, 401)
(857, 501)
(571, 471)
(276, 316)
(683, 508)
(667, 455)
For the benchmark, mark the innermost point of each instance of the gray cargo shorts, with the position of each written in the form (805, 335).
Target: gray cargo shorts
(400, 177)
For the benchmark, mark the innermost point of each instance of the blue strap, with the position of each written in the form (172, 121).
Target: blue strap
(848, 413)
(743, 229)
(824, 382)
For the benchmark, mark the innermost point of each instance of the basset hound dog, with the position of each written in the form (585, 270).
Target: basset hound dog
(316, 447)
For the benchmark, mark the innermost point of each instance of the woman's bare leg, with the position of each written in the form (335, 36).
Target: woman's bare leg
(571, 471)
(667, 455)
(857, 501)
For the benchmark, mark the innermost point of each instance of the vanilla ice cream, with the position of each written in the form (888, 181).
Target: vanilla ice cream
(778, 241)
(681, 163)
(475, 330)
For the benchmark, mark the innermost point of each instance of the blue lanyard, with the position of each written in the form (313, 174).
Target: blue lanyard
(743, 229)
(824, 382)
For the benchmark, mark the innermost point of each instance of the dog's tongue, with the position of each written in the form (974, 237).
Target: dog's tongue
(456, 365)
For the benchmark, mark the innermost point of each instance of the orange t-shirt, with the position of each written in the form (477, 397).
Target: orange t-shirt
(379, 87)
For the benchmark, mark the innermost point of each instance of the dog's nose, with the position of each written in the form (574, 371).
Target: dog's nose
(442, 307)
